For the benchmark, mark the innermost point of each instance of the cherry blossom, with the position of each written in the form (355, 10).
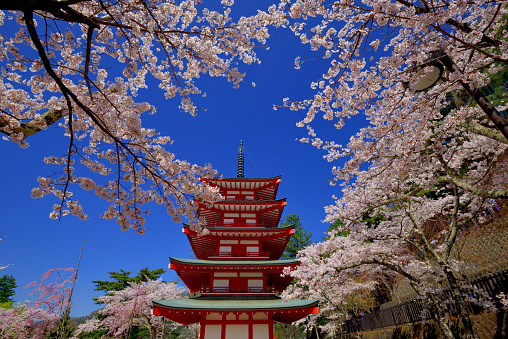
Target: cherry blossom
(422, 170)
(35, 319)
(132, 307)
(81, 64)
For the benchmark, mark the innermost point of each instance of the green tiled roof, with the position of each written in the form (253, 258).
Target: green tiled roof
(234, 262)
(238, 303)
(236, 178)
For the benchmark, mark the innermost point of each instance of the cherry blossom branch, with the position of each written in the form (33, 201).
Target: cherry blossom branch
(423, 238)
(484, 193)
(35, 125)
(391, 266)
(473, 47)
(452, 235)
(485, 131)
(393, 200)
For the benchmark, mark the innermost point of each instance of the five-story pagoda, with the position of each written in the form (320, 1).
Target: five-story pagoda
(237, 275)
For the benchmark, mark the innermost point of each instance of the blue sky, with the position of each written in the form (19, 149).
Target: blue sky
(32, 243)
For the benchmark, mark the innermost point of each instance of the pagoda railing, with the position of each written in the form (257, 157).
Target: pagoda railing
(237, 290)
(259, 224)
(239, 255)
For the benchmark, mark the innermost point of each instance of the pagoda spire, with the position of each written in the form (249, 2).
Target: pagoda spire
(240, 170)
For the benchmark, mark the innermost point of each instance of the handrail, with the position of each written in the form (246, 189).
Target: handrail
(242, 290)
(239, 254)
(257, 224)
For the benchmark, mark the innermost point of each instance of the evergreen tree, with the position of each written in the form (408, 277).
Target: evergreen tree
(7, 286)
(299, 240)
(121, 280)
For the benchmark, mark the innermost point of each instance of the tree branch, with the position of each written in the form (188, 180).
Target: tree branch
(494, 194)
(485, 131)
(30, 128)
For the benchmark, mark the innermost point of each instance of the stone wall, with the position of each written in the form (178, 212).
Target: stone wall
(486, 325)
(483, 248)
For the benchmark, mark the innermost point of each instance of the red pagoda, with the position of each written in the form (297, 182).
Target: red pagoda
(236, 277)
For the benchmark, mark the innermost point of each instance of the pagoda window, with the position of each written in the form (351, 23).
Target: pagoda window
(212, 331)
(255, 285)
(260, 331)
(252, 250)
(249, 242)
(221, 285)
(250, 222)
(229, 222)
(251, 274)
(225, 274)
(232, 195)
(235, 331)
(225, 250)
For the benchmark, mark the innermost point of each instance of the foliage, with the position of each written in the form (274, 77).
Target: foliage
(120, 280)
(131, 308)
(63, 328)
(37, 319)
(7, 286)
(299, 240)
(80, 64)
(281, 330)
(333, 228)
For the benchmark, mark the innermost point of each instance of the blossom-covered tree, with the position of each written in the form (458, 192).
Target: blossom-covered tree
(79, 64)
(427, 169)
(42, 315)
(131, 307)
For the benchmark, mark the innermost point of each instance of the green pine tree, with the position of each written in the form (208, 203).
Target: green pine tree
(7, 286)
(299, 240)
(120, 280)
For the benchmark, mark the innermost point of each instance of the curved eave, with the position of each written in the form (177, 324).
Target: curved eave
(268, 212)
(196, 274)
(213, 264)
(273, 240)
(187, 311)
(264, 188)
(236, 205)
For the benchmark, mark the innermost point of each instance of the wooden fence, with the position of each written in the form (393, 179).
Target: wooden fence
(414, 310)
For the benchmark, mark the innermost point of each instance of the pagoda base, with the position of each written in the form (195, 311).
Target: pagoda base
(234, 317)
(233, 326)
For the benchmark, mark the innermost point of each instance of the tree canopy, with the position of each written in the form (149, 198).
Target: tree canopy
(131, 307)
(299, 240)
(7, 288)
(421, 171)
(121, 280)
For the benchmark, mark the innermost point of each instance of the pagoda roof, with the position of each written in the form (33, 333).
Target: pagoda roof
(238, 263)
(196, 273)
(188, 311)
(265, 188)
(269, 212)
(273, 240)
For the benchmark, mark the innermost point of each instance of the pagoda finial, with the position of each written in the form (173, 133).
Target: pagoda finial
(239, 172)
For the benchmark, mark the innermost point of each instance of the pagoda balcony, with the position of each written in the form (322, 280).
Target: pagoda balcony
(239, 255)
(242, 291)
(259, 224)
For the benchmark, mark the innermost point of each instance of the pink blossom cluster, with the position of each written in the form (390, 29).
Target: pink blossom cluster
(132, 307)
(422, 170)
(35, 319)
(83, 71)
